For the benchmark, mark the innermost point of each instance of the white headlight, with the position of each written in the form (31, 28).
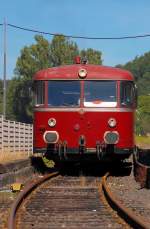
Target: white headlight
(82, 73)
(111, 137)
(52, 122)
(112, 122)
(51, 137)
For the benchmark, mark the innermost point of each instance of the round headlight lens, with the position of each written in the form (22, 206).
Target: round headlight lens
(82, 73)
(51, 137)
(52, 122)
(111, 137)
(112, 122)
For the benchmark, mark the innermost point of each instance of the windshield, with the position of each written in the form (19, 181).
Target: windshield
(100, 94)
(63, 93)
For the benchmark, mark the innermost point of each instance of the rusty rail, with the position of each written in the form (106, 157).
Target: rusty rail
(28, 189)
(125, 213)
(141, 159)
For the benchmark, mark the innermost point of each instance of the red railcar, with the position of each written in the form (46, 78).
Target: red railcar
(84, 111)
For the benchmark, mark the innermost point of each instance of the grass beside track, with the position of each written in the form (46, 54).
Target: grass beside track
(6, 157)
(143, 141)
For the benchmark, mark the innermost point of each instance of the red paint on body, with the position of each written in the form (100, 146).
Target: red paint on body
(88, 122)
(93, 72)
(71, 125)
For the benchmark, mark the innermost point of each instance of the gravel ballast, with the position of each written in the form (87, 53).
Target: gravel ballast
(131, 195)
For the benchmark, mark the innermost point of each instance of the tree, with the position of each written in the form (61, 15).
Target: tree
(19, 100)
(42, 54)
(140, 68)
(143, 115)
(144, 84)
(33, 58)
(62, 51)
(93, 56)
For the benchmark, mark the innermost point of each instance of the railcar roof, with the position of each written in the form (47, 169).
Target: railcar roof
(70, 72)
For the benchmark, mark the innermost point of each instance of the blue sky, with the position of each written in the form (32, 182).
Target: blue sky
(95, 18)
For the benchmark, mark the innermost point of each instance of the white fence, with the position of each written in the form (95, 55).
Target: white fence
(15, 136)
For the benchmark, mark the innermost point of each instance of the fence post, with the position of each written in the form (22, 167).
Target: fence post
(19, 137)
(28, 140)
(32, 137)
(2, 134)
(14, 134)
(8, 132)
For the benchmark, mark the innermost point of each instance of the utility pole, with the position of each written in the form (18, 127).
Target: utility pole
(4, 73)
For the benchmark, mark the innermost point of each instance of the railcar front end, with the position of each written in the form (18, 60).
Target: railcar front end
(84, 111)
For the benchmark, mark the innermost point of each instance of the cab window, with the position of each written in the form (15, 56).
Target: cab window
(100, 93)
(39, 92)
(63, 93)
(128, 94)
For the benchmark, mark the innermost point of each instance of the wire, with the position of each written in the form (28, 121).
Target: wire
(35, 31)
(79, 37)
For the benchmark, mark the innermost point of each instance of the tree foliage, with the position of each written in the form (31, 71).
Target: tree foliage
(19, 102)
(93, 56)
(144, 84)
(33, 58)
(143, 115)
(140, 67)
(62, 51)
(42, 54)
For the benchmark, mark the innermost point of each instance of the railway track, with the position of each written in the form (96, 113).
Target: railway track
(69, 202)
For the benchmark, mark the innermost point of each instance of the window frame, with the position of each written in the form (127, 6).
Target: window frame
(106, 102)
(63, 106)
(133, 94)
(36, 91)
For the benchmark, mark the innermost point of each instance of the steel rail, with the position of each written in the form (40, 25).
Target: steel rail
(22, 195)
(125, 213)
(141, 170)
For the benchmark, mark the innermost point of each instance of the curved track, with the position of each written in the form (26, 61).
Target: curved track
(68, 202)
(125, 213)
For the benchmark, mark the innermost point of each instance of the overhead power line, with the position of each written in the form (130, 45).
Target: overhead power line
(78, 37)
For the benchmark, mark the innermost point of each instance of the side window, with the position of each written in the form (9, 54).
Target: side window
(128, 94)
(39, 92)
